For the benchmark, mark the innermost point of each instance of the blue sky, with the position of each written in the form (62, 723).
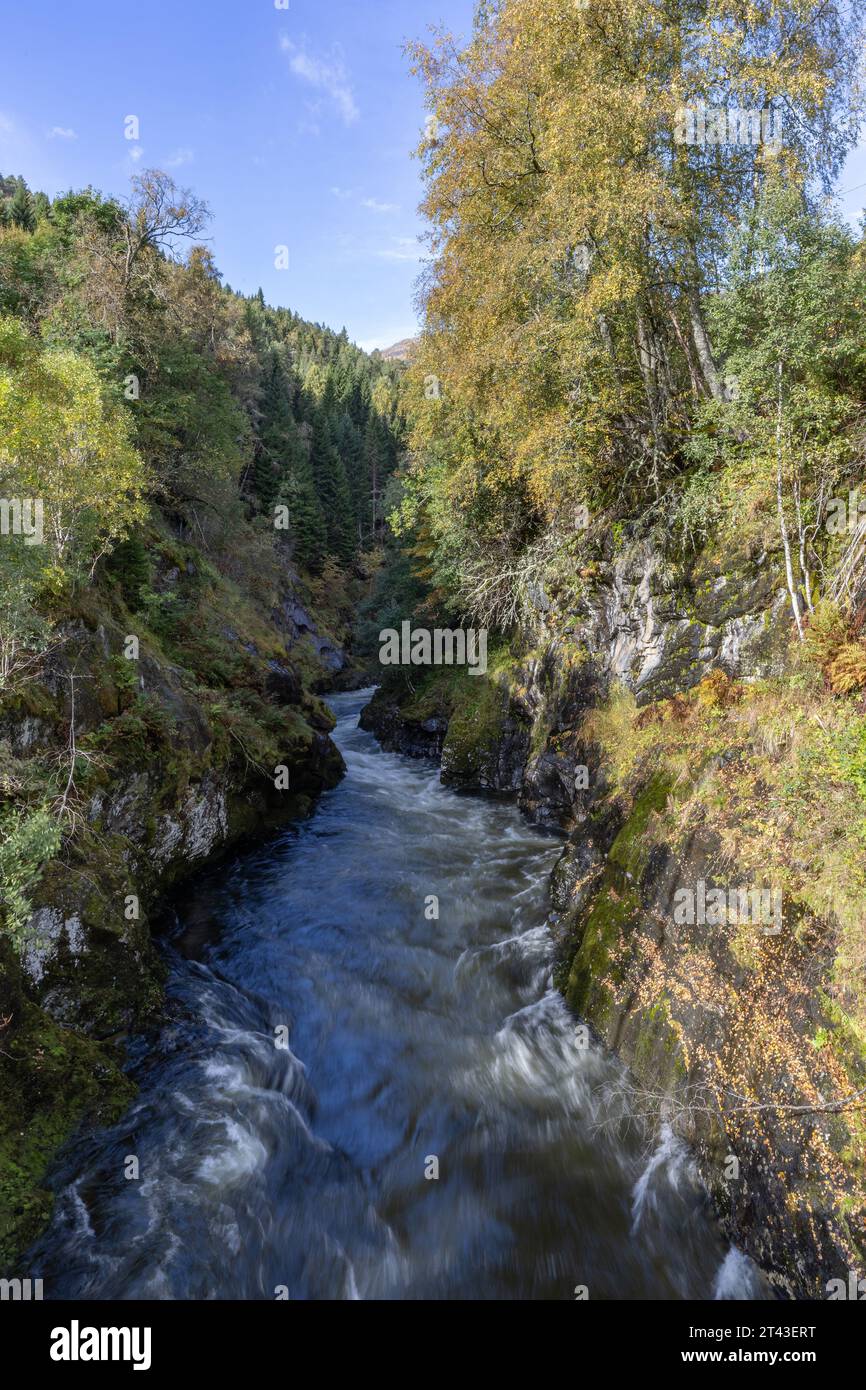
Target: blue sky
(295, 124)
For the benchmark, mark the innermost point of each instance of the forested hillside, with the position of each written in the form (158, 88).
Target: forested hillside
(232, 406)
(192, 489)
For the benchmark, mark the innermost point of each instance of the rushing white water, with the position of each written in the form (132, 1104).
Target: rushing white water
(413, 1047)
(737, 1277)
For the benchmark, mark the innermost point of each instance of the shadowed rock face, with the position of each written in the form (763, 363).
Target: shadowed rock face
(412, 738)
(89, 961)
(298, 624)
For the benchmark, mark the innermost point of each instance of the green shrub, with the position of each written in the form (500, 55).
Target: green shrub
(28, 840)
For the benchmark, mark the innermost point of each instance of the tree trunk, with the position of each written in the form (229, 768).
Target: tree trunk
(703, 348)
(783, 525)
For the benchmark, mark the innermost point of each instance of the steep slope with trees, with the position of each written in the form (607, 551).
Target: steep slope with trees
(190, 484)
(636, 455)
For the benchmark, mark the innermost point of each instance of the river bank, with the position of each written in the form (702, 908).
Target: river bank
(368, 1088)
(654, 721)
(211, 737)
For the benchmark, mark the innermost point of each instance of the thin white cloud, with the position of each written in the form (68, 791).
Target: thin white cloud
(347, 195)
(402, 248)
(182, 156)
(59, 132)
(7, 125)
(135, 153)
(328, 76)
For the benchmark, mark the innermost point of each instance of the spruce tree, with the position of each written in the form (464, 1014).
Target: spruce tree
(306, 518)
(350, 446)
(21, 211)
(332, 487)
(276, 435)
(374, 470)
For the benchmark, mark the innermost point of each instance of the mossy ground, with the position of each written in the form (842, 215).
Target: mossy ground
(474, 707)
(51, 1082)
(476, 724)
(732, 784)
(773, 768)
(592, 978)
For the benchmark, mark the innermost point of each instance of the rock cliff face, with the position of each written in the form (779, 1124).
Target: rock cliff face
(657, 632)
(717, 1025)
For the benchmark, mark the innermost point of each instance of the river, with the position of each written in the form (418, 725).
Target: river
(354, 1099)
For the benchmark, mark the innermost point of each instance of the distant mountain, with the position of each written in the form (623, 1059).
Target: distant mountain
(400, 352)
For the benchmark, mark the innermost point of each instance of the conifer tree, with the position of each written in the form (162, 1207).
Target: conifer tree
(21, 210)
(350, 446)
(307, 521)
(333, 490)
(277, 433)
(373, 472)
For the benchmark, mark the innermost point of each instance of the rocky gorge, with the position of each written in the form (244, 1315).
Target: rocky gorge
(604, 719)
(175, 765)
(736, 1037)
